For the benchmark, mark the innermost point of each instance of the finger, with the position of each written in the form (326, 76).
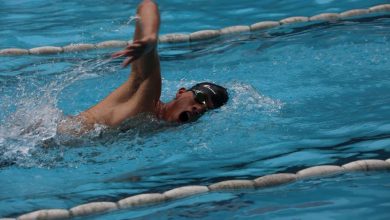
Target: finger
(130, 60)
(134, 58)
(137, 42)
(114, 56)
(118, 54)
(127, 61)
(133, 46)
(123, 53)
(139, 50)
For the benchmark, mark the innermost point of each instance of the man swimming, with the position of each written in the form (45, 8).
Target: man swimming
(141, 92)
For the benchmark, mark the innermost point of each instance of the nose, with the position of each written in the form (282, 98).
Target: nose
(198, 109)
(194, 110)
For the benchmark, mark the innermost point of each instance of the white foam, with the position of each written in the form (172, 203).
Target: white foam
(246, 96)
(34, 122)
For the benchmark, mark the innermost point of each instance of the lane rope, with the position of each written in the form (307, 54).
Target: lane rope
(205, 34)
(271, 180)
(149, 199)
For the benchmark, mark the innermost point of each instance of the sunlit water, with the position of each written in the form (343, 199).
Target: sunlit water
(299, 97)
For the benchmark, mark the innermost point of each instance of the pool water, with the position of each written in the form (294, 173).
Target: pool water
(299, 97)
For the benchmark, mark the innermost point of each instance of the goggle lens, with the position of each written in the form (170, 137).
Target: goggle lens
(200, 97)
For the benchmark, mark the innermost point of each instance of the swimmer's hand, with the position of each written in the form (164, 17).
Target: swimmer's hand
(136, 49)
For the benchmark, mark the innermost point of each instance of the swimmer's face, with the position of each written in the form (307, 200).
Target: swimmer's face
(188, 106)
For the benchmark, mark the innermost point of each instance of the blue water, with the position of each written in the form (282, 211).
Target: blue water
(303, 97)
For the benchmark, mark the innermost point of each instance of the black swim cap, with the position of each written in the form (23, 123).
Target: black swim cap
(218, 94)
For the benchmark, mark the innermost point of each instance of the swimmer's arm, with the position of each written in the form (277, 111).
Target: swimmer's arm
(145, 36)
(141, 92)
(142, 54)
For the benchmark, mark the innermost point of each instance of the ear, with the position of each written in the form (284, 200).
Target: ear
(180, 91)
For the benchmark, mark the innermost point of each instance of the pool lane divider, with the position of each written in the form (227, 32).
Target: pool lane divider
(149, 199)
(186, 191)
(203, 34)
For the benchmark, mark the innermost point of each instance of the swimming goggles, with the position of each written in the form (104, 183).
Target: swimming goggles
(200, 97)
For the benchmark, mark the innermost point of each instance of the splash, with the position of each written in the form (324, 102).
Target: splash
(33, 124)
(132, 18)
(35, 120)
(123, 27)
(247, 97)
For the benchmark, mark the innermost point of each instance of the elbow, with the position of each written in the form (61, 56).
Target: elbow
(147, 3)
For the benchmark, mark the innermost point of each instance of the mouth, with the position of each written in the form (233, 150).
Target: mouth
(185, 116)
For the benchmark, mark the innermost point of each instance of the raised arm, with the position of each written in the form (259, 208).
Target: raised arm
(145, 35)
(142, 53)
(141, 92)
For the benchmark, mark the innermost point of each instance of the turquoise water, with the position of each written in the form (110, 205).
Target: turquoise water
(299, 97)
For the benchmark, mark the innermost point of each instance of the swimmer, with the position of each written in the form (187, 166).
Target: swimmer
(141, 92)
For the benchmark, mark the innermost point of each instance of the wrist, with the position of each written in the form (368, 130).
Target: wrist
(152, 39)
